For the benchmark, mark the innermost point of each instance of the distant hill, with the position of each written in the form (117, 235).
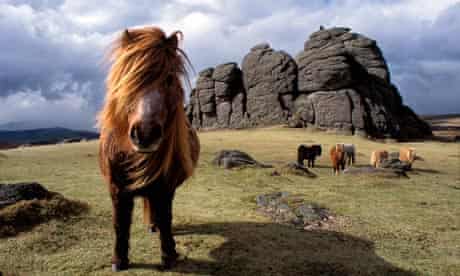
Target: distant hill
(25, 125)
(44, 136)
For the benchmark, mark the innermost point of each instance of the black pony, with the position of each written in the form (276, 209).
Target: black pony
(309, 153)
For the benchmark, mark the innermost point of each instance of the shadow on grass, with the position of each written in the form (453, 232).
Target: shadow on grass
(419, 170)
(274, 249)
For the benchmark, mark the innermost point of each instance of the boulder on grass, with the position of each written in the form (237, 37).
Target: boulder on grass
(291, 209)
(234, 158)
(24, 205)
(372, 171)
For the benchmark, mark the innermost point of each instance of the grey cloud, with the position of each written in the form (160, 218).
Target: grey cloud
(55, 48)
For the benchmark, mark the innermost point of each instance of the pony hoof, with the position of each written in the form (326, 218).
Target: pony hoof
(119, 267)
(170, 261)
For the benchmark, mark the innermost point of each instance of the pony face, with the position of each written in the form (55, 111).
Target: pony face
(147, 122)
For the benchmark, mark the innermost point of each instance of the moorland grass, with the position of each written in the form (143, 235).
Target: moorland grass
(406, 226)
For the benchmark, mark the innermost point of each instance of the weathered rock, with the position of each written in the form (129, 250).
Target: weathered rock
(269, 77)
(378, 172)
(234, 158)
(351, 79)
(227, 72)
(211, 101)
(324, 102)
(340, 82)
(238, 116)
(224, 111)
(194, 112)
(12, 193)
(285, 208)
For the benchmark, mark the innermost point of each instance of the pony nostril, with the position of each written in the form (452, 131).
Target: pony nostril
(144, 138)
(156, 133)
(134, 135)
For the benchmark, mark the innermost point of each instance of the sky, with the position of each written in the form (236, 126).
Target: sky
(51, 51)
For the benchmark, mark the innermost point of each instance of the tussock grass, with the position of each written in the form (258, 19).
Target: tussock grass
(401, 226)
(25, 214)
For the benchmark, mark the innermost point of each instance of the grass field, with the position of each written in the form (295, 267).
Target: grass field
(389, 226)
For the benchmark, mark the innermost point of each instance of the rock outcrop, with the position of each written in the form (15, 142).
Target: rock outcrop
(339, 82)
(218, 100)
(270, 82)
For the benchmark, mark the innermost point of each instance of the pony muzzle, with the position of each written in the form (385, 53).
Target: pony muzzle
(146, 140)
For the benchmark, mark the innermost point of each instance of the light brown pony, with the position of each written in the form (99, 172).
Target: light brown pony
(377, 157)
(147, 147)
(407, 155)
(337, 154)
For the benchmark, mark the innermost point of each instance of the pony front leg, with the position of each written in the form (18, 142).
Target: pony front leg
(162, 203)
(122, 213)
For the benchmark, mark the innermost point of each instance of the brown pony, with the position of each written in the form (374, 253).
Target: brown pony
(337, 154)
(147, 147)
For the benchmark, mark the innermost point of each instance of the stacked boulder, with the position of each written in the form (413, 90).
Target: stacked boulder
(218, 101)
(270, 81)
(206, 98)
(339, 82)
(344, 85)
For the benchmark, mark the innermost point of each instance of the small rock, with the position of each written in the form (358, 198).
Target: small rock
(234, 158)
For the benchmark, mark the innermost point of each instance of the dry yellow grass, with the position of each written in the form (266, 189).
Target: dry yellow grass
(393, 226)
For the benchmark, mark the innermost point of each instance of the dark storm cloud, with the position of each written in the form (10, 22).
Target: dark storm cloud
(51, 51)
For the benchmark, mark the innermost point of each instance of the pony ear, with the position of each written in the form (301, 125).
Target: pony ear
(174, 38)
(125, 38)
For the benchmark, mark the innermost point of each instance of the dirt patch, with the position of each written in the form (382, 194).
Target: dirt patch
(288, 209)
(24, 205)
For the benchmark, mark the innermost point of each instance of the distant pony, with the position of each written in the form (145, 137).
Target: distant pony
(408, 155)
(350, 154)
(309, 153)
(147, 147)
(377, 157)
(337, 154)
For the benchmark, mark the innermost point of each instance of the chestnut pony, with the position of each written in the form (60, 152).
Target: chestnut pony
(147, 146)
(337, 155)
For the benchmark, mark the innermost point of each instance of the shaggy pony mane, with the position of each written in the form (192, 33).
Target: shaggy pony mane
(144, 60)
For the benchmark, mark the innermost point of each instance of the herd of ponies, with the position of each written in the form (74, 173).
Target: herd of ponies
(344, 155)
